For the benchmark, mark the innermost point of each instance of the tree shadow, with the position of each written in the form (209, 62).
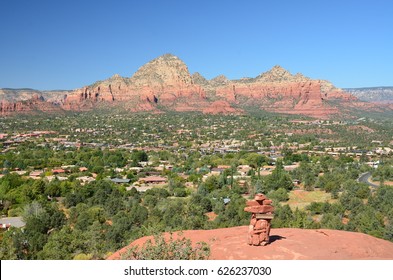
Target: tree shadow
(274, 238)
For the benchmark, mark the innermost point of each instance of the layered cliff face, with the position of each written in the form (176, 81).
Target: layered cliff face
(166, 84)
(33, 104)
(279, 91)
(164, 80)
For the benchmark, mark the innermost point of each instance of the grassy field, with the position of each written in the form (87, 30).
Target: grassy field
(300, 198)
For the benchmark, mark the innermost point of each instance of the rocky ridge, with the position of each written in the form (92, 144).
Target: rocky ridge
(165, 83)
(373, 94)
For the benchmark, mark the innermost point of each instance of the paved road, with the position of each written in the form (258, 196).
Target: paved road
(364, 179)
(14, 221)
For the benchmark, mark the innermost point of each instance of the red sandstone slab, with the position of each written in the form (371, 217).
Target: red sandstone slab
(261, 224)
(286, 244)
(259, 209)
(258, 231)
(252, 203)
(264, 216)
(267, 202)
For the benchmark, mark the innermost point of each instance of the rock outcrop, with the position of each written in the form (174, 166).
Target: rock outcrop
(32, 105)
(279, 91)
(164, 80)
(166, 84)
(221, 107)
(285, 244)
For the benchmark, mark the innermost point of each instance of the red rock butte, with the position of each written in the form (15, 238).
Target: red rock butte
(166, 83)
(285, 244)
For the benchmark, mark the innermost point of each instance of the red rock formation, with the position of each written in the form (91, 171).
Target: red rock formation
(166, 82)
(35, 104)
(220, 107)
(285, 244)
(293, 96)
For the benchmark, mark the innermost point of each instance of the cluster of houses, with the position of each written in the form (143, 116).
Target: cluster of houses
(152, 178)
(222, 146)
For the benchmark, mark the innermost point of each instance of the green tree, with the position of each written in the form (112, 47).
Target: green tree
(64, 245)
(256, 161)
(331, 221)
(279, 178)
(279, 195)
(7, 248)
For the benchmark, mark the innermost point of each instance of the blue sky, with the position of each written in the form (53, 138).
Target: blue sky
(68, 44)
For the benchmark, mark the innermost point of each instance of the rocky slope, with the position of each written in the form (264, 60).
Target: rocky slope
(163, 81)
(27, 101)
(30, 100)
(373, 94)
(166, 84)
(286, 244)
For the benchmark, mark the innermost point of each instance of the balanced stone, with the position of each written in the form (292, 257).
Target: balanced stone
(262, 214)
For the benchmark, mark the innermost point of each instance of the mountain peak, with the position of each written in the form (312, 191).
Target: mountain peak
(219, 80)
(276, 74)
(166, 69)
(198, 79)
(279, 69)
(116, 76)
(168, 56)
(280, 74)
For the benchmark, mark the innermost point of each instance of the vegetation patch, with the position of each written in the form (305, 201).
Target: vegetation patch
(161, 248)
(301, 198)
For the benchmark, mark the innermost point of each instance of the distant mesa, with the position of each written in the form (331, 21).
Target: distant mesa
(165, 83)
(373, 94)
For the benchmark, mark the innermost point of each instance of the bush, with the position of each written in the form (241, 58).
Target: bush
(279, 195)
(180, 192)
(15, 212)
(82, 257)
(173, 249)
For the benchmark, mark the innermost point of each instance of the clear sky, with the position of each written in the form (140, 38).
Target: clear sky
(48, 44)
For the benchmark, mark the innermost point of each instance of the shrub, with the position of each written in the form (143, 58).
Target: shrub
(15, 212)
(173, 249)
(279, 195)
(82, 257)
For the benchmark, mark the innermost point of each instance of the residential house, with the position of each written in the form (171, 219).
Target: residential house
(243, 169)
(153, 180)
(58, 171)
(120, 181)
(36, 174)
(85, 179)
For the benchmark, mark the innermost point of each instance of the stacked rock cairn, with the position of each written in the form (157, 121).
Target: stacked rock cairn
(261, 215)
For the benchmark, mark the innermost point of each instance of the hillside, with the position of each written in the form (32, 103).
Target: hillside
(373, 94)
(165, 84)
(287, 244)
